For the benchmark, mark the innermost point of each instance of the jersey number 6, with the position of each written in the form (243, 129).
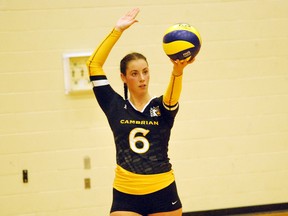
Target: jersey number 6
(133, 140)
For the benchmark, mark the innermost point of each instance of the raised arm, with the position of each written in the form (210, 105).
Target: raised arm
(127, 20)
(98, 58)
(173, 91)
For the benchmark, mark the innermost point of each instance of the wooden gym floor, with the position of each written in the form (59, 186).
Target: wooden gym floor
(280, 213)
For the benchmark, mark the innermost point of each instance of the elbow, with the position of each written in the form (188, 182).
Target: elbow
(94, 68)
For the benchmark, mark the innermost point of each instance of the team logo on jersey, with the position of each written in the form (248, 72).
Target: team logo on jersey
(155, 111)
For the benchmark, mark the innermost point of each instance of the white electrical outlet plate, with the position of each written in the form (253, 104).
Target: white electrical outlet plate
(76, 75)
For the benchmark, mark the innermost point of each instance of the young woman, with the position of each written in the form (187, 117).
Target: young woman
(144, 181)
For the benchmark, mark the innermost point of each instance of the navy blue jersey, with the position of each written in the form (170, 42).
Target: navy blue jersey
(141, 138)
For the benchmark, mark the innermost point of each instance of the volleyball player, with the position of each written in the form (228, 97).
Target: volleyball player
(144, 182)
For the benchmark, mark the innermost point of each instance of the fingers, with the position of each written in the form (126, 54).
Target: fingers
(191, 60)
(133, 13)
(127, 20)
(183, 62)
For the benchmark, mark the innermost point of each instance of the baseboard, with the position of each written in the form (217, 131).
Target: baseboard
(240, 210)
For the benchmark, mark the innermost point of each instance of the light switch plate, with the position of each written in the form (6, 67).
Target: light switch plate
(76, 75)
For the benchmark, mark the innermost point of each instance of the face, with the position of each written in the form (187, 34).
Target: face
(137, 77)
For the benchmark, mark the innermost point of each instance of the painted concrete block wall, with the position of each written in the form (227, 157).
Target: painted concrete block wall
(229, 146)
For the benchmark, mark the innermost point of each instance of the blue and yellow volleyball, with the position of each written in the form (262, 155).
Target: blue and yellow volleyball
(181, 41)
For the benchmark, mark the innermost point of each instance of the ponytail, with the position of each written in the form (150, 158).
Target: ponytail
(125, 91)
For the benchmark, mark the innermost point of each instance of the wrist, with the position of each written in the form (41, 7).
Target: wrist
(118, 29)
(177, 73)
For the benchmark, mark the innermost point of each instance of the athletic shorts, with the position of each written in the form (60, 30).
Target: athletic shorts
(164, 200)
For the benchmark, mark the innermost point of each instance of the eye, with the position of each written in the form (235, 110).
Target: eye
(134, 73)
(146, 71)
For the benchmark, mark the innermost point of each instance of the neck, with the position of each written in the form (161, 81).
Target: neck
(140, 101)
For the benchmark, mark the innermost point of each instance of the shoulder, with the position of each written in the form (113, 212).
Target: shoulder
(107, 98)
(159, 100)
(169, 110)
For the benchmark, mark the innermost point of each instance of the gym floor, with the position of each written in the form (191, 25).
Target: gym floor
(280, 213)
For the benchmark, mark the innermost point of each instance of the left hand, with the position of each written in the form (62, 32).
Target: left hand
(179, 65)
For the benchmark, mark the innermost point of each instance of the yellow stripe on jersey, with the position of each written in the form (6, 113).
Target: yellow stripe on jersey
(137, 184)
(172, 94)
(98, 58)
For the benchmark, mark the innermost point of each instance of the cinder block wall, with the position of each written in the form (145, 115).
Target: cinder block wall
(229, 146)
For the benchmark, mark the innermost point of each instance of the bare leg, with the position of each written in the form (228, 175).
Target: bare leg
(177, 212)
(124, 213)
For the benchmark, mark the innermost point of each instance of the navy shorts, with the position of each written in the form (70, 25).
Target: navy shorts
(164, 200)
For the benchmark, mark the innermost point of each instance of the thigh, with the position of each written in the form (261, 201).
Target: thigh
(124, 213)
(177, 212)
(127, 204)
(165, 200)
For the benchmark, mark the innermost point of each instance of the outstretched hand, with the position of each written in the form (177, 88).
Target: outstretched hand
(127, 20)
(179, 65)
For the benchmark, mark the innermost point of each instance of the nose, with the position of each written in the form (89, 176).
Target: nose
(142, 77)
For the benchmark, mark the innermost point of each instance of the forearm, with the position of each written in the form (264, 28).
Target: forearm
(98, 58)
(172, 94)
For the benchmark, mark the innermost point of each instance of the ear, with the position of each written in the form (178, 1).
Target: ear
(123, 77)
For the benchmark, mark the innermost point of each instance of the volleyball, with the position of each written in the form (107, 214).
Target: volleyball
(181, 41)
